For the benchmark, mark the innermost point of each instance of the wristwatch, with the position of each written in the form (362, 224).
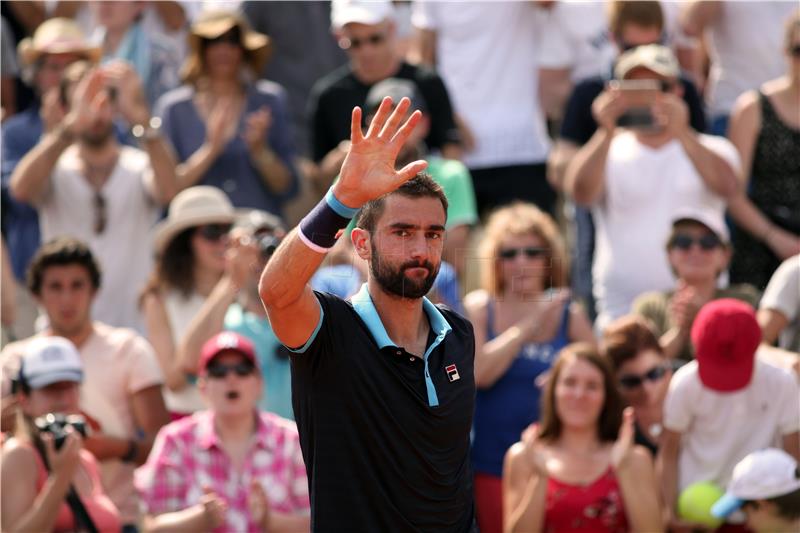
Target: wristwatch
(149, 131)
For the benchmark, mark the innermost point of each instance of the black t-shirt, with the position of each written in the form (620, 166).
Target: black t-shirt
(579, 125)
(379, 457)
(334, 97)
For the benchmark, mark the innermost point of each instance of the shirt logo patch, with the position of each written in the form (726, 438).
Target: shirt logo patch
(452, 373)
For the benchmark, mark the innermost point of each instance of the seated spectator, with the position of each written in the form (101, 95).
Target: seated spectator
(190, 247)
(367, 31)
(766, 486)
(636, 177)
(121, 34)
(229, 130)
(80, 168)
(51, 485)
(698, 250)
(56, 44)
(229, 468)
(579, 470)
(723, 405)
(642, 372)
(765, 128)
(779, 310)
(451, 174)
(121, 390)
(522, 317)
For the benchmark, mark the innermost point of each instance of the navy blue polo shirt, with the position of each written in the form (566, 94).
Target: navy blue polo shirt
(384, 433)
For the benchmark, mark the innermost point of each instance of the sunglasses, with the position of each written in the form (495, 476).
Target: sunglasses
(795, 50)
(531, 252)
(632, 381)
(219, 370)
(100, 213)
(229, 37)
(684, 242)
(214, 232)
(355, 43)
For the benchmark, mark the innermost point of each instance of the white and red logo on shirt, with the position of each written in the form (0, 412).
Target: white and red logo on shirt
(452, 373)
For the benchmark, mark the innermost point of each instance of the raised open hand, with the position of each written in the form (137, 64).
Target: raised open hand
(368, 169)
(621, 450)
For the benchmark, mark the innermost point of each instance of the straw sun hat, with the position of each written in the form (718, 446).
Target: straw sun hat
(56, 36)
(195, 206)
(212, 24)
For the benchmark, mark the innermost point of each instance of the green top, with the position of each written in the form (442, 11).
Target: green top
(655, 307)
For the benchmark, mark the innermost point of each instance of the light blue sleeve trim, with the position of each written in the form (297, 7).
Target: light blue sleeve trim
(341, 209)
(313, 336)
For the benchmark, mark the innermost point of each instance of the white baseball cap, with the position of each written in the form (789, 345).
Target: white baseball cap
(360, 12)
(759, 476)
(49, 360)
(710, 218)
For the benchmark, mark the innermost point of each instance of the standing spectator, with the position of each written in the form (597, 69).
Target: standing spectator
(301, 57)
(121, 391)
(522, 318)
(744, 43)
(37, 475)
(80, 167)
(636, 178)
(698, 250)
(190, 247)
(724, 383)
(367, 31)
(643, 373)
(121, 35)
(229, 468)
(8, 72)
(579, 470)
(779, 310)
(486, 53)
(765, 128)
(230, 131)
(56, 44)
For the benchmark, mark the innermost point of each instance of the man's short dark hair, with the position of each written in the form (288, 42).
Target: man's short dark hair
(62, 251)
(420, 186)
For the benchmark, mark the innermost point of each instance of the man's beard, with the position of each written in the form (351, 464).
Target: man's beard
(97, 139)
(395, 281)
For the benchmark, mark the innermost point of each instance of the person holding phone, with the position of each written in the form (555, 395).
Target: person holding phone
(635, 175)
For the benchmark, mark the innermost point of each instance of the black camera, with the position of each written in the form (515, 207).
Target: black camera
(56, 424)
(267, 244)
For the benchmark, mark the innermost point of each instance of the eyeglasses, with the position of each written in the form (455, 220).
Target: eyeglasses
(632, 381)
(355, 43)
(214, 232)
(219, 370)
(684, 242)
(100, 214)
(531, 252)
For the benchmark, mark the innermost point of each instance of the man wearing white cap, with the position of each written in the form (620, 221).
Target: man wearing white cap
(368, 33)
(635, 176)
(766, 486)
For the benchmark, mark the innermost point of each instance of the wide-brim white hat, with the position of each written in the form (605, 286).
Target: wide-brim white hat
(195, 206)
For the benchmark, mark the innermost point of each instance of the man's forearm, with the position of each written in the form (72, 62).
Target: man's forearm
(277, 289)
(585, 174)
(713, 169)
(105, 447)
(32, 175)
(192, 170)
(163, 162)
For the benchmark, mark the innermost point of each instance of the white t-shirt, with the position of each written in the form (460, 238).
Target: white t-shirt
(124, 249)
(486, 52)
(746, 49)
(719, 429)
(180, 312)
(783, 294)
(117, 363)
(644, 188)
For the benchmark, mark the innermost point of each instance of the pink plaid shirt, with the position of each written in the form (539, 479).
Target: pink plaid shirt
(187, 456)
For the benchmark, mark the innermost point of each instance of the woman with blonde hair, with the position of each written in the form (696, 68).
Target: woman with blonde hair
(579, 470)
(522, 317)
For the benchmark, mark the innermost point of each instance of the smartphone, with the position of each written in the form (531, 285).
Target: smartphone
(638, 96)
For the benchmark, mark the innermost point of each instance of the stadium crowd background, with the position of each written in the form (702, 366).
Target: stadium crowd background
(612, 168)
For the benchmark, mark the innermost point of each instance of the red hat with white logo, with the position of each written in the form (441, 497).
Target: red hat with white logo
(223, 342)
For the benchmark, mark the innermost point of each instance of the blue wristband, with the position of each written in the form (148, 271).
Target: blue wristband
(339, 207)
(320, 228)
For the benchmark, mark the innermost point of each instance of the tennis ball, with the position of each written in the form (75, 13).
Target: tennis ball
(695, 502)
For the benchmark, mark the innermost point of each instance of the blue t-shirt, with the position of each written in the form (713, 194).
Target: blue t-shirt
(272, 357)
(506, 408)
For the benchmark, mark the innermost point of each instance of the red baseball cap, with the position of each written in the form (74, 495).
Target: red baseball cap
(726, 334)
(221, 342)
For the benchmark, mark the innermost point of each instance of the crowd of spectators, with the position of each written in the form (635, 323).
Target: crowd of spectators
(623, 233)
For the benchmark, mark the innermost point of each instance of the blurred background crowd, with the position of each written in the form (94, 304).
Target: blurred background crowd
(624, 174)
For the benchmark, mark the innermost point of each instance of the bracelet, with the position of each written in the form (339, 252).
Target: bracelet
(320, 229)
(64, 134)
(130, 454)
(149, 131)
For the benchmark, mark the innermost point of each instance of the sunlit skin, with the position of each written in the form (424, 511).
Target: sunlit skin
(51, 67)
(60, 397)
(66, 296)
(209, 254)
(650, 394)
(523, 276)
(579, 395)
(371, 62)
(695, 265)
(635, 35)
(233, 395)
(223, 59)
